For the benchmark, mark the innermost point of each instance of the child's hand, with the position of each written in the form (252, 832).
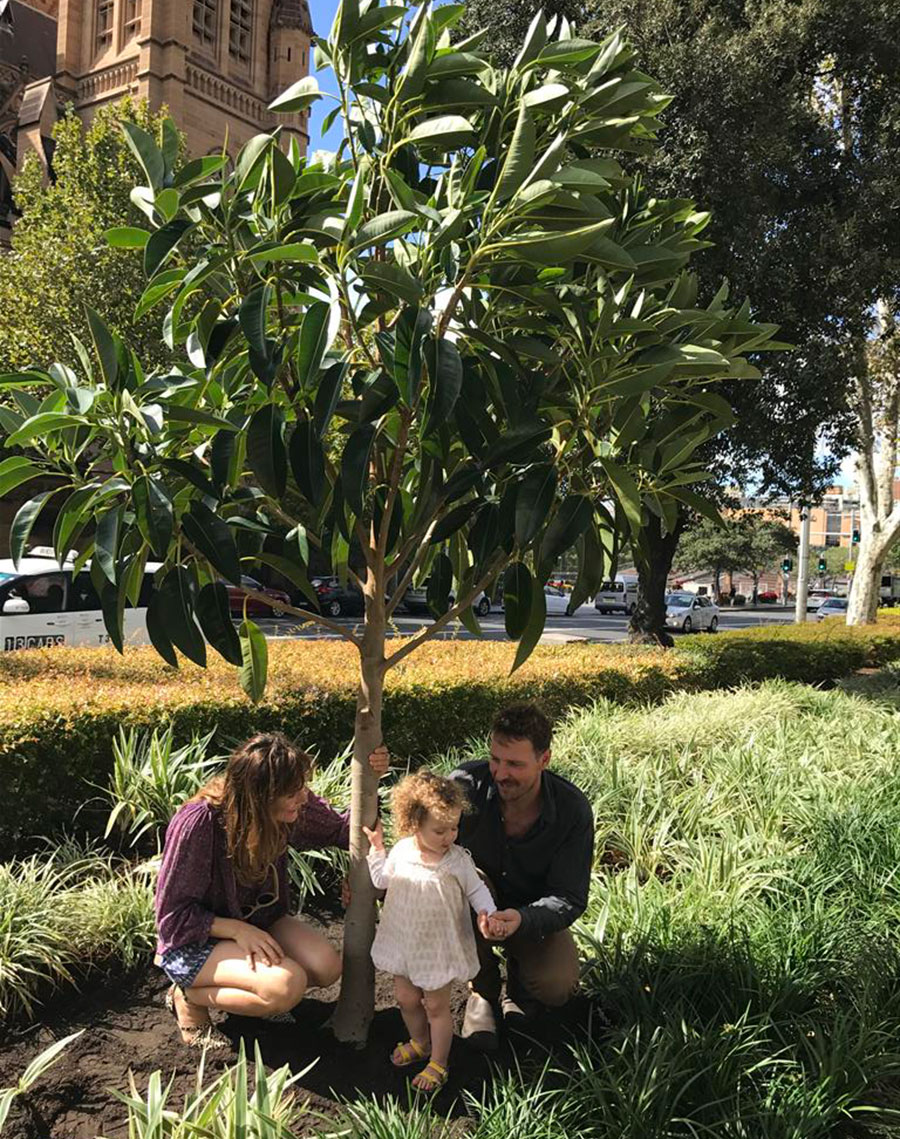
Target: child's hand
(375, 837)
(380, 761)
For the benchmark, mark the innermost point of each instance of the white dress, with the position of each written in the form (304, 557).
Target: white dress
(425, 931)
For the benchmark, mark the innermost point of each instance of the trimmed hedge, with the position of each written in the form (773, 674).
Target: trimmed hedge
(60, 708)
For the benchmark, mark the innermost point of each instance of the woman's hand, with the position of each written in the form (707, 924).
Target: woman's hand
(257, 944)
(380, 760)
(375, 837)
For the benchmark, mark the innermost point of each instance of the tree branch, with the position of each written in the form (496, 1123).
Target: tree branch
(427, 634)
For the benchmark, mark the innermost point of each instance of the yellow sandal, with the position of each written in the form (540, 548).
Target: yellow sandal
(410, 1052)
(433, 1077)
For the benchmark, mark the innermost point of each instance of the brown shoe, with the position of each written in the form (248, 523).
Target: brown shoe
(197, 1031)
(480, 1025)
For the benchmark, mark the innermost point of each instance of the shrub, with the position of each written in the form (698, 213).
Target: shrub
(61, 709)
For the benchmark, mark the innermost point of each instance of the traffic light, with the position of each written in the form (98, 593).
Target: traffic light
(787, 565)
(855, 537)
(823, 565)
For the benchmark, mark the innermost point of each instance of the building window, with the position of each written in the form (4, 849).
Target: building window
(132, 18)
(205, 16)
(104, 24)
(240, 28)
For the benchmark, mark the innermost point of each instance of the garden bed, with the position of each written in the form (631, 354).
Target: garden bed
(127, 1028)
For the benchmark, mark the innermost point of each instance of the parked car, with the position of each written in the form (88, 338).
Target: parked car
(336, 600)
(617, 597)
(832, 607)
(558, 601)
(416, 601)
(691, 614)
(768, 597)
(815, 597)
(274, 607)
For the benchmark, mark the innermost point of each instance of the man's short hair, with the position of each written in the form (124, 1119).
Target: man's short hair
(524, 722)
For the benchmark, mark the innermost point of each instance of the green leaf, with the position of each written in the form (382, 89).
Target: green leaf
(567, 53)
(307, 461)
(591, 568)
(195, 415)
(265, 450)
(161, 243)
(104, 346)
(112, 604)
(572, 519)
(177, 599)
(699, 504)
(127, 237)
(440, 583)
(214, 539)
(253, 318)
(255, 654)
(156, 630)
(518, 586)
(551, 248)
(294, 573)
(378, 398)
(412, 326)
(518, 445)
(297, 252)
(250, 158)
(484, 535)
(627, 492)
(519, 158)
(106, 542)
(43, 425)
(199, 169)
(223, 456)
(314, 341)
(537, 492)
(454, 520)
(23, 523)
(531, 634)
(214, 614)
(147, 153)
(445, 372)
(327, 396)
(72, 519)
(298, 97)
(153, 510)
(385, 277)
(15, 471)
(355, 466)
(385, 228)
(445, 133)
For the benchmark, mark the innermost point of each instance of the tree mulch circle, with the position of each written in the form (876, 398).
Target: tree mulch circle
(128, 1030)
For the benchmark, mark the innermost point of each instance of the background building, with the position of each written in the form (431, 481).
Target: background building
(216, 64)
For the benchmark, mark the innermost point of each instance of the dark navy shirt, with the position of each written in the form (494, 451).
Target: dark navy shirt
(546, 873)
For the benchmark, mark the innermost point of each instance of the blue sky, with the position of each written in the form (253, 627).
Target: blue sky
(322, 12)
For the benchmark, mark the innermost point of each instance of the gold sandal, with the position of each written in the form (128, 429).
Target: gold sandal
(196, 1035)
(410, 1052)
(433, 1075)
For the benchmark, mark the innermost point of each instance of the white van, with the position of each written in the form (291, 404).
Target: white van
(42, 605)
(617, 596)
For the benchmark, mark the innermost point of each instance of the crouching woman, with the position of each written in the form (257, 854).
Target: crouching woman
(225, 937)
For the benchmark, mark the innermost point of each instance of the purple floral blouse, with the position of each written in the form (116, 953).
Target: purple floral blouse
(197, 882)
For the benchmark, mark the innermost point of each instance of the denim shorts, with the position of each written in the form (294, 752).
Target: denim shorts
(182, 965)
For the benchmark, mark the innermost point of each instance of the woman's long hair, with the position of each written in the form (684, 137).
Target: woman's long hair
(260, 771)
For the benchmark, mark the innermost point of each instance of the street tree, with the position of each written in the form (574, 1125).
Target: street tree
(60, 260)
(745, 540)
(429, 358)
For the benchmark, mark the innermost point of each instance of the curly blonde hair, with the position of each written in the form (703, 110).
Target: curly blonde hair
(417, 796)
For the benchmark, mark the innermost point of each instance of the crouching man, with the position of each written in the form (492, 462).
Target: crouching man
(531, 834)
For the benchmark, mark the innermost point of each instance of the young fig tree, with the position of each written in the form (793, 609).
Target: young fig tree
(431, 357)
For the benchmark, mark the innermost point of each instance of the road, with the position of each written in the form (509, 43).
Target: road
(586, 625)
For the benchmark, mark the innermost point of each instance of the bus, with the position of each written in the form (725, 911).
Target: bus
(44, 604)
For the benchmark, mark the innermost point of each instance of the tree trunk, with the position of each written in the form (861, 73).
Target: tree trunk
(356, 1005)
(648, 622)
(865, 592)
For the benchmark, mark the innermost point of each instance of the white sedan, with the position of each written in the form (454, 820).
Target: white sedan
(691, 614)
(832, 607)
(557, 601)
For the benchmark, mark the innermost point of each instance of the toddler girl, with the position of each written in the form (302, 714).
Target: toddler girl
(425, 935)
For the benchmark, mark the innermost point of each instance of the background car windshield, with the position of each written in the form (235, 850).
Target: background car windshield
(679, 600)
(7, 577)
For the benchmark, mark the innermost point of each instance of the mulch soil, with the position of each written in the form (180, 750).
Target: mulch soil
(128, 1029)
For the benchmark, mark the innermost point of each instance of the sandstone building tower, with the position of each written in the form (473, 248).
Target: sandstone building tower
(215, 63)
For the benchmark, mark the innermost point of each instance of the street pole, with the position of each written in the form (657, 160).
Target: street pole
(803, 568)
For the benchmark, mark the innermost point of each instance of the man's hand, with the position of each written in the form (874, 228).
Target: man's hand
(375, 837)
(380, 761)
(500, 925)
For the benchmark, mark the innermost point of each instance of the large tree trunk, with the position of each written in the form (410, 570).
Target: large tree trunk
(356, 1006)
(648, 622)
(865, 593)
